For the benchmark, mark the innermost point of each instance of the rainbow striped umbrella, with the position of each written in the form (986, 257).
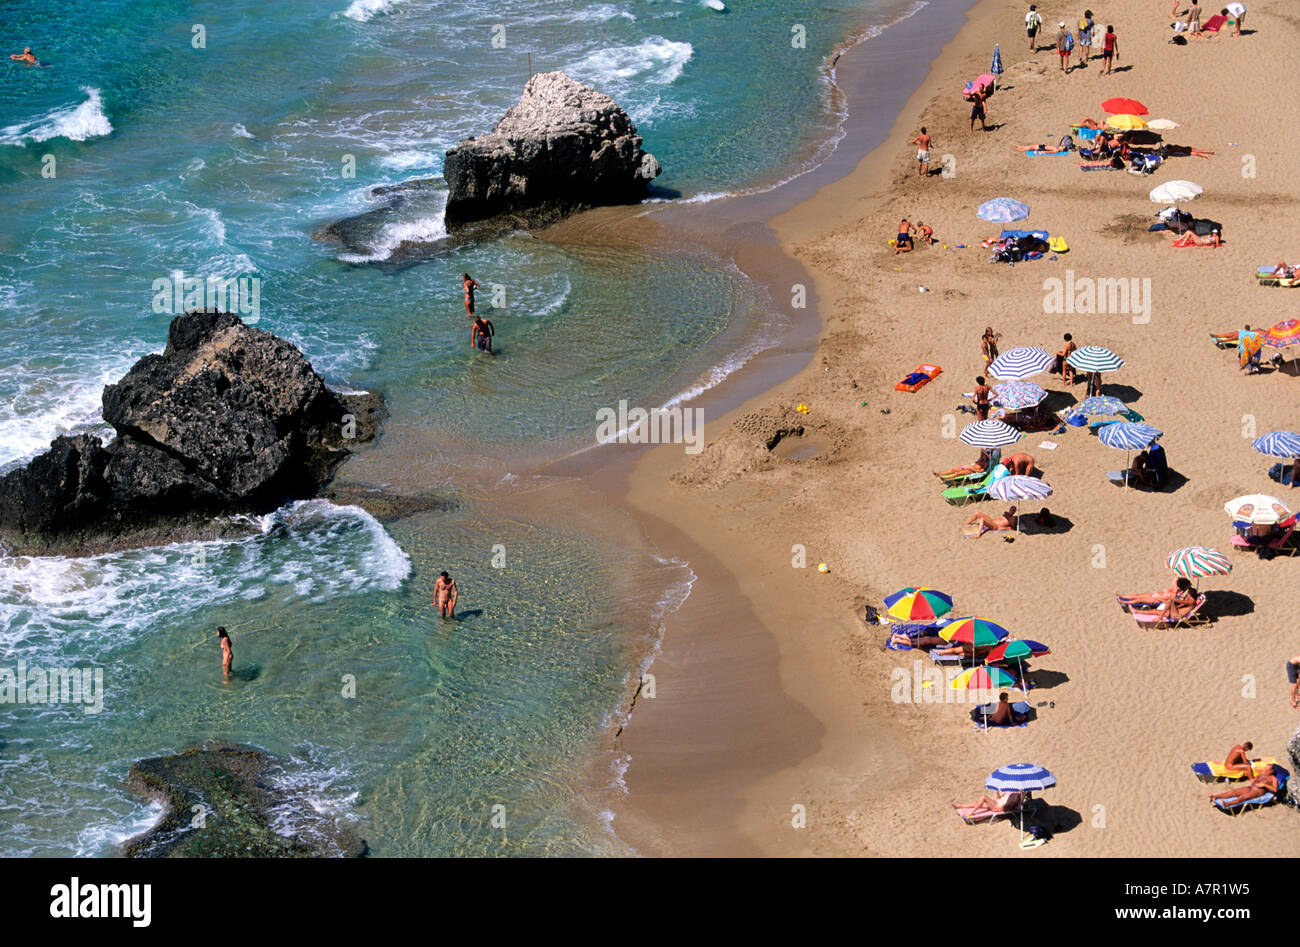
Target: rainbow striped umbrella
(976, 632)
(1283, 334)
(918, 604)
(1195, 562)
(1018, 652)
(982, 678)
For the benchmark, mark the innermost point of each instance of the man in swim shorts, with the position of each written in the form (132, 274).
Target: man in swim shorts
(445, 594)
(903, 242)
(922, 142)
(977, 111)
(480, 336)
(227, 655)
(1293, 678)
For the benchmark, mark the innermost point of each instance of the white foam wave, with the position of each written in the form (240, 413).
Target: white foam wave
(654, 61)
(427, 229)
(364, 10)
(74, 122)
(239, 131)
(409, 160)
(105, 836)
(48, 403)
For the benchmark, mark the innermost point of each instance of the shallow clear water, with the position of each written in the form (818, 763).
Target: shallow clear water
(224, 161)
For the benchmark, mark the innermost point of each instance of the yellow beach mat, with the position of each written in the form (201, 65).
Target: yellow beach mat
(1214, 769)
(1057, 245)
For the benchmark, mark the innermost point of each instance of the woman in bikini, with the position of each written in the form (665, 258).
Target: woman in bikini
(1176, 601)
(470, 285)
(989, 458)
(989, 344)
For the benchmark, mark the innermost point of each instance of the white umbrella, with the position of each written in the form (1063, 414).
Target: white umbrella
(1171, 192)
(1258, 509)
(1162, 124)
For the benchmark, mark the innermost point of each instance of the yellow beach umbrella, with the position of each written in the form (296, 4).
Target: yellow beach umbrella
(1126, 122)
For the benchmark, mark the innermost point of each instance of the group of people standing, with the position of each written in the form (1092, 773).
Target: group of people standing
(1082, 39)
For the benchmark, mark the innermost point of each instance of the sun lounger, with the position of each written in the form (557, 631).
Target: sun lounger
(1233, 807)
(1279, 544)
(918, 379)
(977, 814)
(1224, 341)
(1211, 771)
(1019, 716)
(1155, 618)
(973, 493)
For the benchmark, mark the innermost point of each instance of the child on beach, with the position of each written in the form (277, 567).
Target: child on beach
(926, 233)
(1064, 44)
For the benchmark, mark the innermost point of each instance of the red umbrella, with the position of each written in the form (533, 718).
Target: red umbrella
(1124, 107)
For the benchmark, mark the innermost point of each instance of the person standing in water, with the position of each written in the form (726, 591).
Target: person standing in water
(480, 335)
(470, 285)
(227, 655)
(445, 594)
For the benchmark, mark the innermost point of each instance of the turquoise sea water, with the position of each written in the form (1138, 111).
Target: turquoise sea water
(223, 161)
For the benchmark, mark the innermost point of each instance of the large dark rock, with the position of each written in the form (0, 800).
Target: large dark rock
(560, 148)
(229, 419)
(221, 802)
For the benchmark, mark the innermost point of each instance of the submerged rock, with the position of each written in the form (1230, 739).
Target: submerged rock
(560, 148)
(229, 419)
(221, 802)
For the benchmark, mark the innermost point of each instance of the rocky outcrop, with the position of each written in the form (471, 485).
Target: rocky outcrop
(229, 419)
(560, 148)
(1293, 749)
(221, 802)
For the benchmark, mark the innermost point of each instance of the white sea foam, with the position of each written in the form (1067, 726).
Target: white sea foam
(364, 10)
(48, 403)
(426, 229)
(409, 160)
(104, 836)
(655, 61)
(239, 131)
(75, 122)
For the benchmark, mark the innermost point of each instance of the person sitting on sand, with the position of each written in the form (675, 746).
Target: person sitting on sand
(982, 396)
(1263, 783)
(1045, 518)
(1022, 465)
(1175, 602)
(993, 523)
(1190, 239)
(26, 56)
(989, 344)
(1137, 471)
(903, 243)
(989, 457)
(1005, 802)
(1003, 715)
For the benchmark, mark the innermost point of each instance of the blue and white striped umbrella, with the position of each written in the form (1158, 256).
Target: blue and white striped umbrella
(1020, 362)
(1014, 395)
(1020, 777)
(1019, 488)
(996, 68)
(990, 433)
(1095, 358)
(1128, 435)
(1002, 210)
(1278, 444)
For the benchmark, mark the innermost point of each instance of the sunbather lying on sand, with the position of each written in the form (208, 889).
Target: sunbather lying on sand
(1190, 239)
(1182, 151)
(1176, 601)
(940, 645)
(1264, 782)
(989, 523)
(1230, 336)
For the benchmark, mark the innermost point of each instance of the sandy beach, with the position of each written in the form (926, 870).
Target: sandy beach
(773, 730)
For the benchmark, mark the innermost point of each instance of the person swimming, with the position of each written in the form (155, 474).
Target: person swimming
(26, 56)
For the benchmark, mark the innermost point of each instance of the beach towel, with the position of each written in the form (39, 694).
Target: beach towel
(1211, 770)
(1214, 23)
(1047, 154)
(1110, 164)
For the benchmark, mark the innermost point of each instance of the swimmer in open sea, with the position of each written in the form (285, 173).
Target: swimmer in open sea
(470, 285)
(26, 56)
(227, 655)
(445, 594)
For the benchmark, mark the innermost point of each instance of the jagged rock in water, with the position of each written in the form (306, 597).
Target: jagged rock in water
(229, 419)
(561, 147)
(220, 803)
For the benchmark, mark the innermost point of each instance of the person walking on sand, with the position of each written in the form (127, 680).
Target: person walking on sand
(1109, 49)
(989, 344)
(1086, 26)
(1033, 23)
(1293, 677)
(227, 655)
(922, 142)
(445, 594)
(977, 110)
(1064, 43)
(470, 285)
(480, 334)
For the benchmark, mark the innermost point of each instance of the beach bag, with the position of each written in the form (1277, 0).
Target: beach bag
(873, 616)
(1066, 144)
(1083, 26)
(1179, 40)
